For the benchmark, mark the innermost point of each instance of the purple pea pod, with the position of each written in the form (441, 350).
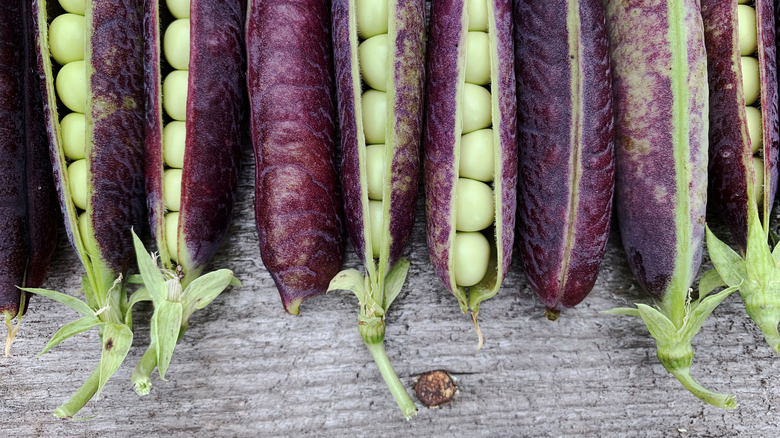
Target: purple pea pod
(194, 60)
(298, 209)
(567, 158)
(379, 57)
(659, 71)
(28, 203)
(470, 148)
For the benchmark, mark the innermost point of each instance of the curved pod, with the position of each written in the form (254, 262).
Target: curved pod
(567, 161)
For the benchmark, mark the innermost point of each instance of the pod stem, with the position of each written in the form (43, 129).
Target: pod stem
(720, 400)
(81, 397)
(677, 356)
(141, 378)
(377, 350)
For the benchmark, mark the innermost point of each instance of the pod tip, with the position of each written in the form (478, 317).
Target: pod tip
(552, 314)
(479, 332)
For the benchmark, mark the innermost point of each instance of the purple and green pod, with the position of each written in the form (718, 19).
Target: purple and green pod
(379, 55)
(471, 148)
(659, 71)
(567, 158)
(28, 203)
(298, 207)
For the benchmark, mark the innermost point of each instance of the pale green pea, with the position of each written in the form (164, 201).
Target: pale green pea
(77, 182)
(374, 110)
(66, 38)
(758, 184)
(478, 15)
(74, 6)
(375, 170)
(71, 84)
(174, 139)
(74, 129)
(176, 44)
(471, 254)
(477, 58)
(372, 17)
(87, 237)
(373, 61)
(179, 8)
(175, 88)
(172, 189)
(746, 18)
(473, 205)
(172, 234)
(476, 155)
(750, 79)
(477, 112)
(376, 220)
(755, 128)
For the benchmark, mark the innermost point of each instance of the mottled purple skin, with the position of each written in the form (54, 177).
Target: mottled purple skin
(409, 68)
(564, 212)
(28, 203)
(731, 163)
(441, 171)
(646, 196)
(214, 129)
(298, 208)
(115, 102)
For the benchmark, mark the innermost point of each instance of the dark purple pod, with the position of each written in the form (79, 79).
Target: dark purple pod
(732, 172)
(28, 203)
(298, 208)
(444, 111)
(566, 135)
(214, 117)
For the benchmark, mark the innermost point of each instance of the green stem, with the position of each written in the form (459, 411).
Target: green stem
(81, 397)
(719, 400)
(391, 379)
(141, 378)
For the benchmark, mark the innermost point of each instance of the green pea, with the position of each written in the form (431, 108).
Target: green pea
(87, 236)
(476, 155)
(478, 15)
(477, 108)
(477, 58)
(375, 170)
(174, 139)
(172, 189)
(172, 234)
(471, 254)
(71, 84)
(758, 184)
(176, 44)
(376, 220)
(74, 6)
(66, 38)
(174, 92)
(755, 128)
(374, 110)
(74, 129)
(750, 79)
(77, 182)
(372, 17)
(179, 8)
(746, 18)
(473, 205)
(373, 61)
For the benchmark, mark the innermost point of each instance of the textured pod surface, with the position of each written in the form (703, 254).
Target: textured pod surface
(731, 163)
(406, 46)
(442, 137)
(28, 203)
(115, 129)
(214, 134)
(298, 208)
(566, 136)
(660, 96)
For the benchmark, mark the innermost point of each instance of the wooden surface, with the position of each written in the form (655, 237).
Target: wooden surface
(246, 368)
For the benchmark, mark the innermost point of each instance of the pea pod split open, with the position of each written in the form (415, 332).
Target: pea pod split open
(28, 203)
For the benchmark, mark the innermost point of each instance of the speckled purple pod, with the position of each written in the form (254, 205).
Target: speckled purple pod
(212, 154)
(446, 73)
(115, 130)
(298, 208)
(405, 84)
(659, 73)
(28, 203)
(566, 138)
(731, 164)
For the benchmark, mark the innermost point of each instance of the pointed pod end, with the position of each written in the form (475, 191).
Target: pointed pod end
(481, 342)
(552, 314)
(293, 307)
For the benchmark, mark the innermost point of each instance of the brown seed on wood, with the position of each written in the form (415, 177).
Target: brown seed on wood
(434, 388)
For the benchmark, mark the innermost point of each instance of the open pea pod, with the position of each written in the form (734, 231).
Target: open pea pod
(470, 147)
(28, 203)
(379, 47)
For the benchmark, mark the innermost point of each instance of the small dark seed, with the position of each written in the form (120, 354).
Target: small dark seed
(434, 388)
